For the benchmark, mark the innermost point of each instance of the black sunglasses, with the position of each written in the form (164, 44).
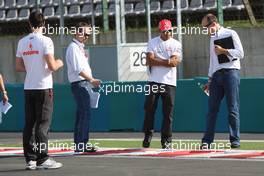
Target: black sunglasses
(210, 22)
(167, 31)
(86, 35)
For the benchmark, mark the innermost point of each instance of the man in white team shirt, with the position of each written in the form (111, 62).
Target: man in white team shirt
(35, 56)
(81, 79)
(163, 55)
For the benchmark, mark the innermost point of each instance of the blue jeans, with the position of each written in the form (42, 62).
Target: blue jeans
(83, 113)
(225, 82)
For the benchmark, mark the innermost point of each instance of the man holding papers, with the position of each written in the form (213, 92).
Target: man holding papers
(224, 79)
(82, 81)
(4, 105)
(3, 91)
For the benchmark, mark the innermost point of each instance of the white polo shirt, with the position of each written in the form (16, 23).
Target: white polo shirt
(235, 54)
(32, 49)
(164, 50)
(77, 61)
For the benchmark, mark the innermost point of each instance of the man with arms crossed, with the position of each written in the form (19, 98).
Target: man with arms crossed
(35, 56)
(163, 55)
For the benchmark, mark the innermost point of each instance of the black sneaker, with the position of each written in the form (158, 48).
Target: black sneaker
(90, 149)
(234, 146)
(146, 141)
(166, 143)
(205, 146)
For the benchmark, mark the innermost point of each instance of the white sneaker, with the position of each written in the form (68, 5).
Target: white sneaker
(31, 165)
(50, 164)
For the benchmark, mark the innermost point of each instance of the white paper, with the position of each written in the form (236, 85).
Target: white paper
(94, 99)
(4, 108)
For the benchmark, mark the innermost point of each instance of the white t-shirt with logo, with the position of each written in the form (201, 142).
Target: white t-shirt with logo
(164, 50)
(32, 49)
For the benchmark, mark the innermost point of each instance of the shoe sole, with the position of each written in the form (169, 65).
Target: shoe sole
(46, 168)
(27, 168)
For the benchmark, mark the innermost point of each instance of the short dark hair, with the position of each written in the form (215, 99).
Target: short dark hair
(211, 18)
(36, 19)
(81, 25)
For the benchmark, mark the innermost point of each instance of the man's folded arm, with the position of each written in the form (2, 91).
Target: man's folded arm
(154, 61)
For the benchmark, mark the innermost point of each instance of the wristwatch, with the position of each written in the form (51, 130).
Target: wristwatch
(4, 92)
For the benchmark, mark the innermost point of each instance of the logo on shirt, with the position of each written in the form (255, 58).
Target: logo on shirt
(30, 51)
(169, 49)
(30, 46)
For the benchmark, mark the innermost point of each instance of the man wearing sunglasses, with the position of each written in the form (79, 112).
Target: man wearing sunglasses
(81, 79)
(163, 55)
(224, 79)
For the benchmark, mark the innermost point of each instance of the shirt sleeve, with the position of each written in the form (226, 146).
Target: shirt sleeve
(150, 48)
(48, 46)
(210, 70)
(73, 58)
(237, 52)
(19, 52)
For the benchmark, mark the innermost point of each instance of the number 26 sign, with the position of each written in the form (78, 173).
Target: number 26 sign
(138, 59)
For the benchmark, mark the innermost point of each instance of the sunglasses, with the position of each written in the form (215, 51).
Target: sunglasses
(86, 35)
(210, 22)
(167, 31)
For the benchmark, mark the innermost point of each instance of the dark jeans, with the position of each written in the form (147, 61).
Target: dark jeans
(151, 102)
(225, 82)
(83, 114)
(38, 115)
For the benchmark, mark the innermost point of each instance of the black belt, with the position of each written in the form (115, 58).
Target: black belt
(225, 70)
(76, 82)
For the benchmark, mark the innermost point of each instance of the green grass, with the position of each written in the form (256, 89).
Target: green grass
(184, 144)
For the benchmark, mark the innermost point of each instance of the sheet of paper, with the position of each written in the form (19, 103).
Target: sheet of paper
(94, 96)
(4, 108)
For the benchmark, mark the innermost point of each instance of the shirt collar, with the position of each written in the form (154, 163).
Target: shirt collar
(219, 31)
(36, 33)
(78, 43)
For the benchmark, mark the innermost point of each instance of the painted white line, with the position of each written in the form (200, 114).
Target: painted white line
(157, 139)
(170, 158)
(153, 139)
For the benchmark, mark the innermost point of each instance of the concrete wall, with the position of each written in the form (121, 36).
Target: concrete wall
(196, 52)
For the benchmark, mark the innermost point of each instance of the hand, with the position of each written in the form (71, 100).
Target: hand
(59, 62)
(5, 98)
(173, 62)
(206, 87)
(95, 82)
(219, 50)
